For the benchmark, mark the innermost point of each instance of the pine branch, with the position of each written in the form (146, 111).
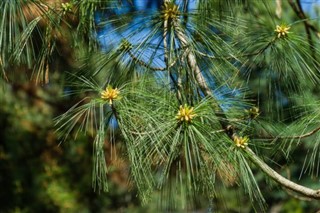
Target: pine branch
(242, 55)
(295, 136)
(144, 64)
(299, 11)
(311, 193)
(306, 135)
(191, 60)
(166, 60)
(115, 112)
(308, 27)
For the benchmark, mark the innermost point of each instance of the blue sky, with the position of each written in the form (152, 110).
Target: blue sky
(309, 5)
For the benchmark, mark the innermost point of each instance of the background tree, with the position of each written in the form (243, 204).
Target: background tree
(201, 103)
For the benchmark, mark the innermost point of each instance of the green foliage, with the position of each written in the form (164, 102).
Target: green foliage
(181, 94)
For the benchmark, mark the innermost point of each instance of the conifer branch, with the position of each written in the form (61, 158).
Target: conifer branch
(299, 11)
(311, 193)
(308, 27)
(295, 136)
(304, 135)
(236, 57)
(144, 64)
(192, 63)
(166, 60)
(115, 112)
(191, 60)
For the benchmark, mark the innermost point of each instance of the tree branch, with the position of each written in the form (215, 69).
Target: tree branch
(306, 134)
(308, 27)
(166, 60)
(295, 136)
(311, 193)
(236, 57)
(299, 11)
(192, 63)
(191, 60)
(144, 64)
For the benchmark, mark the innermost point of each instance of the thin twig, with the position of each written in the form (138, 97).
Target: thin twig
(295, 136)
(166, 60)
(115, 112)
(300, 13)
(236, 57)
(144, 64)
(302, 136)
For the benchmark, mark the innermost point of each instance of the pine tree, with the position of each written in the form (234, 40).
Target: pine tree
(203, 95)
